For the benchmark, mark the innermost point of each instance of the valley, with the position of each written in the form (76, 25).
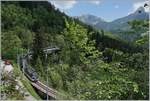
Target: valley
(95, 59)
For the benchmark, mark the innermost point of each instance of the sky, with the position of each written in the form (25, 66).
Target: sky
(108, 10)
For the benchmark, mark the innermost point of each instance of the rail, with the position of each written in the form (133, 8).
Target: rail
(37, 84)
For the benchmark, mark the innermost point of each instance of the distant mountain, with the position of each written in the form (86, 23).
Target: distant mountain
(91, 19)
(116, 25)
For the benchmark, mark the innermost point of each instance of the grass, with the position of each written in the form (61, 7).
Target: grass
(25, 82)
(64, 95)
(61, 95)
(31, 90)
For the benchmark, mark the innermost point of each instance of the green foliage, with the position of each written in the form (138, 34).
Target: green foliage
(39, 43)
(25, 81)
(28, 86)
(25, 35)
(137, 60)
(139, 25)
(39, 67)
(143, 40)
(91, 64)
(103, 81)
(13, 93)
(135, 32)
(11, 45)
(13, 15)
(56, 79)
(8, 86)
(79, 42)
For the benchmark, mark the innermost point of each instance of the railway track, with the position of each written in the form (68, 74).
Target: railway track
(41, 87)
(36, 83)
(45, 87)
(32, 75)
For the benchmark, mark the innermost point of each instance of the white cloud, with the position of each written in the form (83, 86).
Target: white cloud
(68, 4)
(63, 4)
(96, 2)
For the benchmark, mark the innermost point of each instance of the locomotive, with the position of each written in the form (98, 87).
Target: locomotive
(28, 71)
(31, 74)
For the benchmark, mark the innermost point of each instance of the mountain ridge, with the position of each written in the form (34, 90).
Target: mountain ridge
(120, 23)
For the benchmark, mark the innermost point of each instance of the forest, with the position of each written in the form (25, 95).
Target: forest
(92, 64)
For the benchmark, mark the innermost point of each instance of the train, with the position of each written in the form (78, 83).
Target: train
(25, 58)
(29, 72)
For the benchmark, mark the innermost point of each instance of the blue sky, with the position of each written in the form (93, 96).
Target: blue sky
(108, 10)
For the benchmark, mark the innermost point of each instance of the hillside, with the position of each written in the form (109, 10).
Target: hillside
(117, 26)
(91, 20)
(92, 64)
